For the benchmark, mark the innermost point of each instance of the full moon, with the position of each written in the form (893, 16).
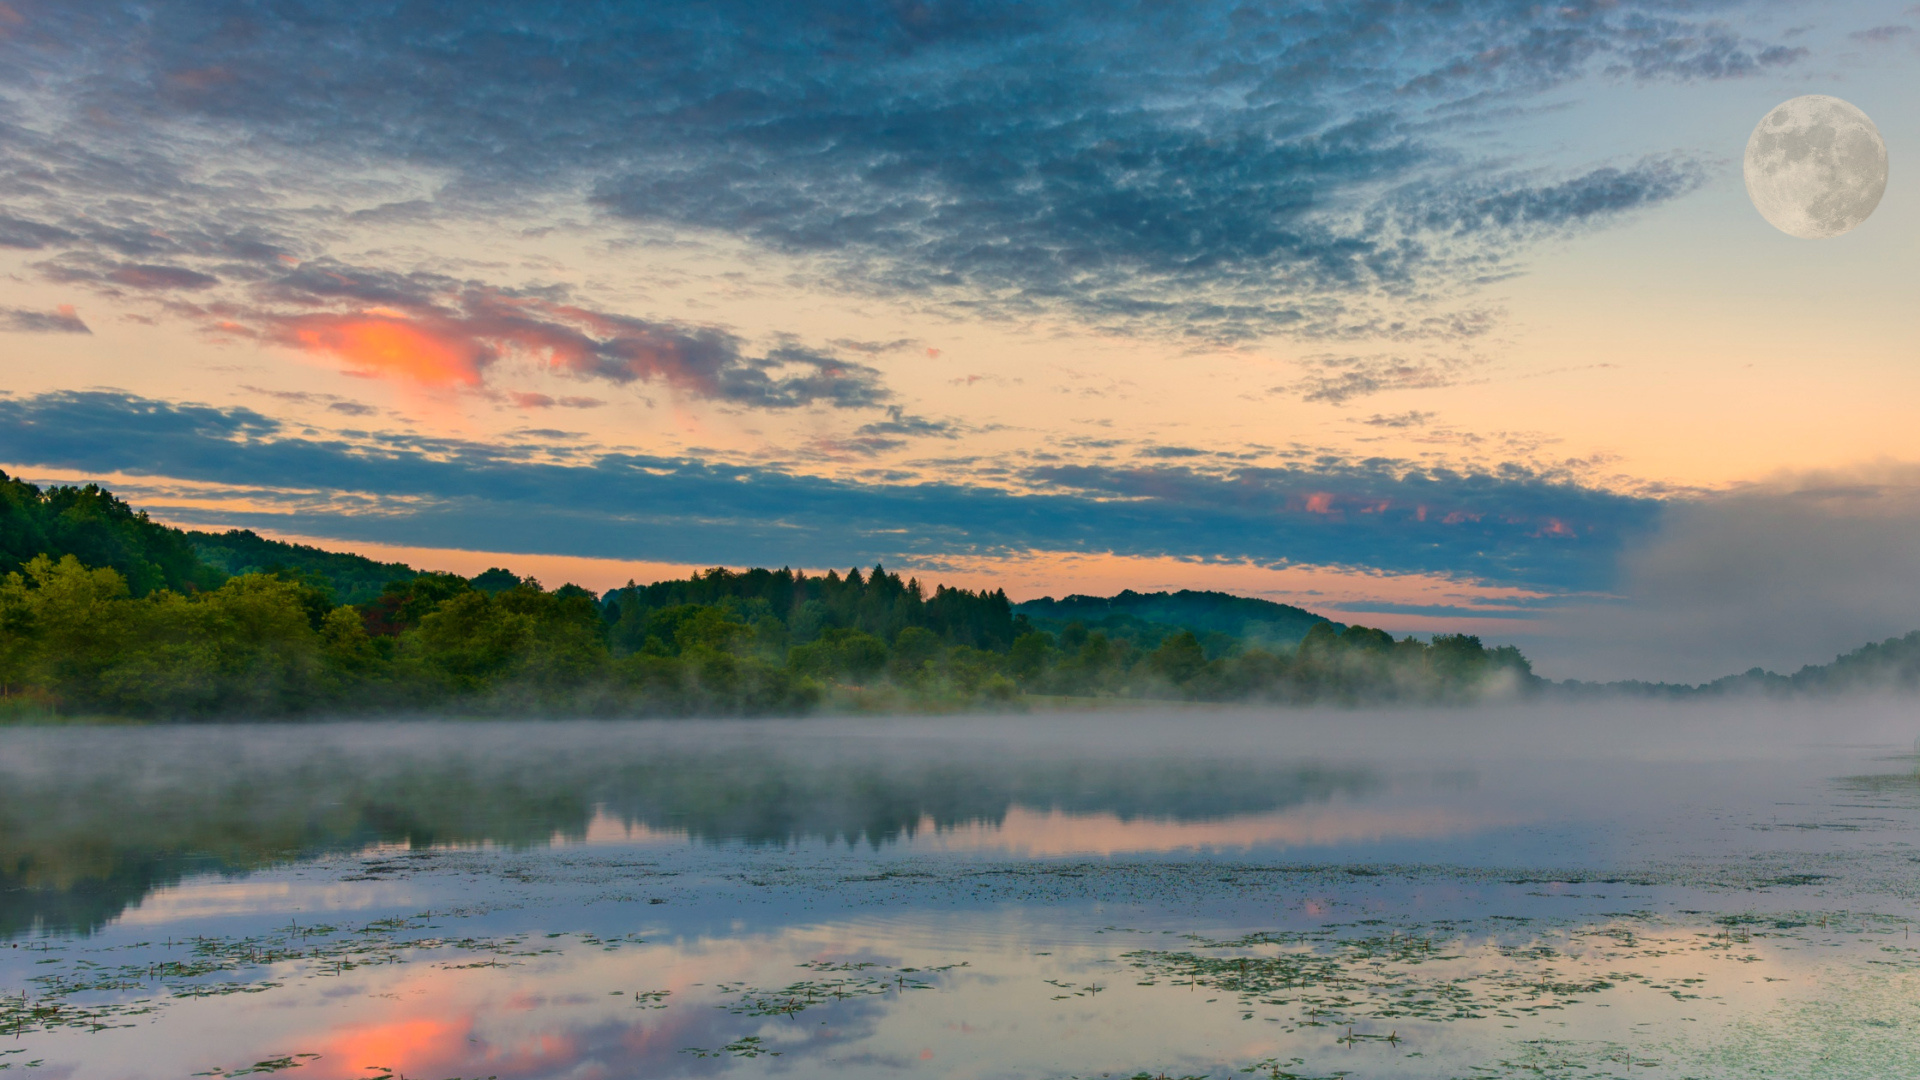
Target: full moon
(1816, 167)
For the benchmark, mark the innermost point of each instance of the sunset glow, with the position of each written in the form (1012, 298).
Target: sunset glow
(1254, 329)
(884, 539)
(395, 348)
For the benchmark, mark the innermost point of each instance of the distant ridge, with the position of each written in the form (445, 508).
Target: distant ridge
(354, 579)
(1883, 667)
(1218, 612)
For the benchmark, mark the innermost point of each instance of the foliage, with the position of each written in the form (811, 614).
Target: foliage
(879, 604)
(148, 629)
(100, 530)
(1133, 615)
(352, 579)
(1349, 666)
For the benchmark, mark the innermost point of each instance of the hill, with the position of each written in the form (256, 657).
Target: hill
(103, 611)
(1893, 664)
(1886, 666)
(353, 579)
(93, 526)
(1882, 667)
(1204, 613)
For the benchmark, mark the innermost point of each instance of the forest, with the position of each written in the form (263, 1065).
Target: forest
(106, 612)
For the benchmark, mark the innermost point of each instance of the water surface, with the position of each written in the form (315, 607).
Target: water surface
(1609, 891)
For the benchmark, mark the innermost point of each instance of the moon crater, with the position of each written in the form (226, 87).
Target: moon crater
(1816, 167)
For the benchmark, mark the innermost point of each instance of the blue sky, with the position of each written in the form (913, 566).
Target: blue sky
(1452, 307)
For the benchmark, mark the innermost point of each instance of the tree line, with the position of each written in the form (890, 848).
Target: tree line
(116, 614)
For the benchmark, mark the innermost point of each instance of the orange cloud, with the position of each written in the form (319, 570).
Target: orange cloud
(432, 353)
(435, 336)
(443, 349)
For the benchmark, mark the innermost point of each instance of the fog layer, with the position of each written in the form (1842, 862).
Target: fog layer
(1790, 572)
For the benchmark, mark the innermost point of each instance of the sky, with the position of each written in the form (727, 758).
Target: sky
(1441, 316)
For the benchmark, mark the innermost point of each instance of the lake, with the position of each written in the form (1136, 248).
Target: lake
(1607, 890)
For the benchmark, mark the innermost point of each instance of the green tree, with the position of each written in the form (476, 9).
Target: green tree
(566, 648)
(467, 643)
(248, 648)
(19, 637)
(403, 604)
(1179, 658)
(80, 618)
(100, 530)
(914, 651)
(496, 580)
(1027, 660)
(348, 651)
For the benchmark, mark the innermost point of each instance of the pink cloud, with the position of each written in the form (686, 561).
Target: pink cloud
(432, 353)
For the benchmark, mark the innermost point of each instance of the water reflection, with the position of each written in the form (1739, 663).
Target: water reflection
(1020, 831)
(875, 997)
(1680, 894)
(93, 821)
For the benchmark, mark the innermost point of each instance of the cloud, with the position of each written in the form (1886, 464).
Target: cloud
(542, 401)
(1209, 169)
(1460, 612)
(437, 353)
(1409, 419)
(29, 235)
(1881, 35)
(899, 423)
(330, 402)
(1671, 50)
(64, 423)
(1339, 379)
(793, 375)
(1780, 574)
(437, 331)
(1508, 527)
(1526, 210)
(452, 340)
(875, 348)
(146, 276)
(62, 320)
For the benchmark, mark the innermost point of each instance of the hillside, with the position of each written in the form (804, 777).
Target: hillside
(105, 612)
(1204, 613)
(93, 526)
(1883, 667)
(1893, 664)
(353, 579)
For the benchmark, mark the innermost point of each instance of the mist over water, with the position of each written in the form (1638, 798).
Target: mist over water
(529, 884)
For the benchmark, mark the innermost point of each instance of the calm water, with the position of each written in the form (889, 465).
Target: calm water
(1603, 892)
